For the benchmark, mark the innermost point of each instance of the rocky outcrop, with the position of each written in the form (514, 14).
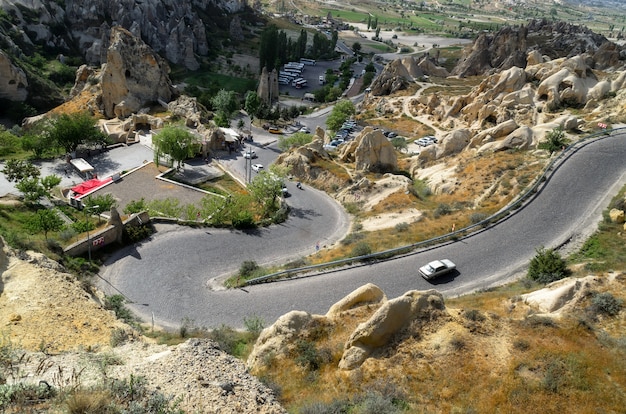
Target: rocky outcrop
(268, 86)
(616, 215)
(13, 81)
(511, 45)
(390, 319)
(399, 73)
(371, 151)
(133, 77)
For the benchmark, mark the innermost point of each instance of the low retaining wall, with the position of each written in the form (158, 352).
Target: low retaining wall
(98, 239)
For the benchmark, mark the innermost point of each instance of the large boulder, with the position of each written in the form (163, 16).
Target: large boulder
(375, 153)
(454, 142)
(616, 216)
(133, 77)
(521, 138)
(389, 320)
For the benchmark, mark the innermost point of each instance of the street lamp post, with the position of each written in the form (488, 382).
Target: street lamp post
(88, 238)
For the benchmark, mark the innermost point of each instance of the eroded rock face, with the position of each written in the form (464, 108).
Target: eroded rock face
(546, 39)
(134, 76)
(13, 81)
(374, 152)
(389, 320)
(399, 73)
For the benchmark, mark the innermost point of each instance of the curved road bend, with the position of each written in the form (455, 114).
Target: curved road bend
(166, 277)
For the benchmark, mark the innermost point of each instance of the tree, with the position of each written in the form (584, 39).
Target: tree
(17, 170)
(399, 143)
(45, 221)
(295, 140)
(33, 188)
(175, 142)
(341, 111)
(555, 140)
(547, 266)
(267, 187)
(252, 104)
(98, 204)
(9, 143)
(356, 47)
(224, 103)
(70, 130)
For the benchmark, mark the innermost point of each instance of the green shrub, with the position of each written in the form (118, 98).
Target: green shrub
(247, 268)
(309, 357)
(442, 210)
(361, 249)
(134, 234)
(135, 206)
(547, 266)
(474, 315)
(606, 304)
(116, 304)
(476, 218)
(244, 220)
(401, 227)
(351, 238)
(83, 226)
(254, 325)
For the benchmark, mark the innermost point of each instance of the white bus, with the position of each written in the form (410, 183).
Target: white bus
(294, 65)
(307, 61)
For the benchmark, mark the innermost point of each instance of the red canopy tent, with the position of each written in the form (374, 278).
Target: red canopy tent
(88, 186)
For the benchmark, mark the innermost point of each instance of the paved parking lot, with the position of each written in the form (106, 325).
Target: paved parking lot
(312, 73)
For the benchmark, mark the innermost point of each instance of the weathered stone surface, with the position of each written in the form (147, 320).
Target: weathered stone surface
(374, 152)
(366, 294)
(393, 316)
(134, 76)
(521, 138)
(13, 81)
(454, 142)
(273, 339)
(400, 72)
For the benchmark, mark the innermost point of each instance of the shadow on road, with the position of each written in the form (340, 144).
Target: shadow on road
(303, 213)
(445, 278)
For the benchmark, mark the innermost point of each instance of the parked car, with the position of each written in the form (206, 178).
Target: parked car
(436, 268)
(249, 155)
(274, 130)
(257, 167)
(305, 130)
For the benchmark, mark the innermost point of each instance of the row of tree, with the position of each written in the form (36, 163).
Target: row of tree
(276, 48)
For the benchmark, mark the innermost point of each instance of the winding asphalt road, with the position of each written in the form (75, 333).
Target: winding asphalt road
(168, 278)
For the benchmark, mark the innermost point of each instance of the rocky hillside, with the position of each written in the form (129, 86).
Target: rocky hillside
(545, 351)
(184, 33)
(54, 331)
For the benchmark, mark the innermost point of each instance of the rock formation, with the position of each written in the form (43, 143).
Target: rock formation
(510, 46)
(391, 319)
(13, 82)
(133, 77)
(371, 151)
(174, 29)
(400, 72)
(268, 86)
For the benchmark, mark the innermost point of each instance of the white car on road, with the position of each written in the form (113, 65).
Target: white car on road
(436, 268)
(257, 167)
(249, 154)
